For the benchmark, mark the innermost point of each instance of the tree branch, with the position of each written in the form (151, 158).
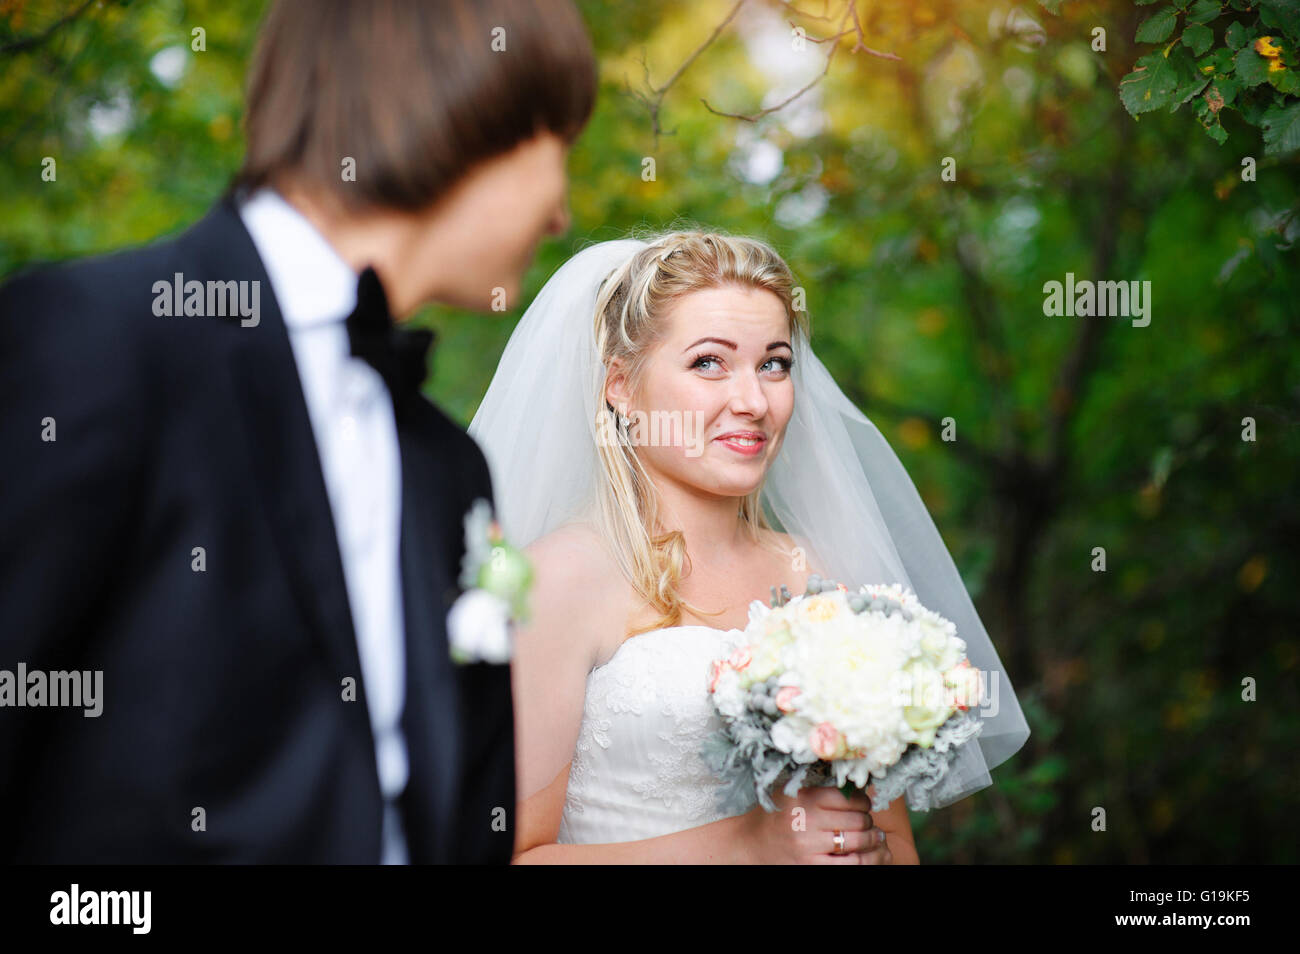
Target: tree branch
(754, 117)
(824, 15)
(653, 101)
(31, 42)
(862, 38)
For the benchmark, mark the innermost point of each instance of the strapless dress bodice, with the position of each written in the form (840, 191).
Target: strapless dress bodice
(638, 768)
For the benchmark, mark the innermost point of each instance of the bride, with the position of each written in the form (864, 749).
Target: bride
(668, 447)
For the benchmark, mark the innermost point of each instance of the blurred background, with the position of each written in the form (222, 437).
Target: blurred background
(1162, 689)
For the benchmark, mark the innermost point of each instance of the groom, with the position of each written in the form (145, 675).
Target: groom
(226, 503)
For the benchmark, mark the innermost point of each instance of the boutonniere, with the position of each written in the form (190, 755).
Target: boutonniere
(496, 578)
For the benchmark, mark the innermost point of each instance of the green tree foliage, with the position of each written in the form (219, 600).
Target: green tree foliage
(1238, 55)
(923, 202)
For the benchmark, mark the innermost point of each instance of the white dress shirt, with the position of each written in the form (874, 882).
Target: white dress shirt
(356, 435)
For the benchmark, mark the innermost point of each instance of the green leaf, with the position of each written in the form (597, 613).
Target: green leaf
(1218, 63)
(1236, 36)
(1158, 27)
(1252, 107)
(1218, 97)
(1281, 15)
(1150, 86)
(1203, 11)
(1228, 89)
(1190, 80)
(1164, 78)
(1282, 128)
(1251, 68)
(1285, 81)
(1197, 38)
(1187, 91)
(1051, 6)
(1216, 132)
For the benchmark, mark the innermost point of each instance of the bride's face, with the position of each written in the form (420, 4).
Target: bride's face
(719, 382)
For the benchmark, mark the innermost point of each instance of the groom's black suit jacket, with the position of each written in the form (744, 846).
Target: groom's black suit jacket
(223, 689)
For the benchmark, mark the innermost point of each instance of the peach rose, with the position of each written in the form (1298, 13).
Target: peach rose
(785, 698)
(827, 742)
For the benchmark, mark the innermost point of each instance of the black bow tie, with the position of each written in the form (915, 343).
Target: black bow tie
(400, 355)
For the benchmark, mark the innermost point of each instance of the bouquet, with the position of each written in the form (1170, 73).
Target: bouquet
(849, 689)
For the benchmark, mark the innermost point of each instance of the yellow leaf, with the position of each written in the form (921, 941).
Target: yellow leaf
(1265, 46)
(914, 432)
(1252, 573)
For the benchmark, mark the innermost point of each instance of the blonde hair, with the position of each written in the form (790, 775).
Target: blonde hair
(630, 308)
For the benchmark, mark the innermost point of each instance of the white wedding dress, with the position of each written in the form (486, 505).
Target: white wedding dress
(638, 769)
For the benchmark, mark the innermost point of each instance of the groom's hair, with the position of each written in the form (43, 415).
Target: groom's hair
(413, 92)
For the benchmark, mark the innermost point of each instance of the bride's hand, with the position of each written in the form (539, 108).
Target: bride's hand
(788, 836)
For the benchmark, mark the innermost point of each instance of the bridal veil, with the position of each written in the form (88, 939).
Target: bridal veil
(837, 486)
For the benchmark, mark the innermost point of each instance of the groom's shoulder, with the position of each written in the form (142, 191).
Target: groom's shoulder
(110, 318)
(446, 427)
(102, 296)
(98, 289)
(93, 285)
(78, 322)
(457, 449)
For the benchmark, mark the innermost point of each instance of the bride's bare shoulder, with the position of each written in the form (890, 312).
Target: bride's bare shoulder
(570, 554)
(576, 582)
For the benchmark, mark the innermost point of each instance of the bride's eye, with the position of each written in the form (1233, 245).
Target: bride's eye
(782, 364)
(702, 360)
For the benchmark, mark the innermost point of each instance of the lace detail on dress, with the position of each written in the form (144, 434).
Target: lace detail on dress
(596, 730)
(677, 782)
(638, 769)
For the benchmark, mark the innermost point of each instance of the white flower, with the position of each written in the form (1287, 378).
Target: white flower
(478, 628)
(765, 662)
(857, 771)
(941, 647)
(728, 695)
(822, 608)
(478, 546)
(792, 734)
